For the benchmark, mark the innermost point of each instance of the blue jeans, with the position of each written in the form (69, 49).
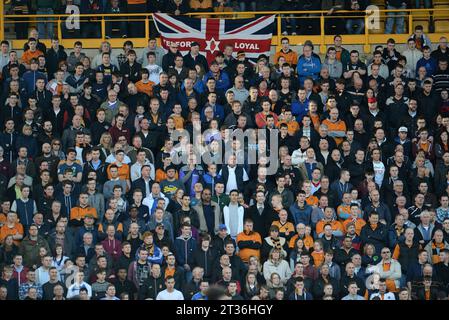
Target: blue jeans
(399, 17)
(350, 23)
(427, 4)
(244, 5)
(45, 29)
(288, 20)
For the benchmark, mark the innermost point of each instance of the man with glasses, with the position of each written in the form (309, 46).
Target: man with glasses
(168, 60)
(388, 269)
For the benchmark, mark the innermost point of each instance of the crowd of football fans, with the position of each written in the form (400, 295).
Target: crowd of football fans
(122, 175)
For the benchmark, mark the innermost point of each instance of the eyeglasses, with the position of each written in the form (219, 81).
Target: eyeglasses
(385, 252)
(56, 144)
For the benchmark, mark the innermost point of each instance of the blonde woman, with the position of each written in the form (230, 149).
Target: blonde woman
(422, 162)
(276, 264)
(105, 145)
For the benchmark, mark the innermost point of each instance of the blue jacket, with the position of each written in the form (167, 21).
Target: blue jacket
(30, 78)
(300, 109)
(222, 84)
(25, 211)
(210, 181)
(184, 250)
(301, 215)
(430, 65)
(218, 112)
(82, 231)
(308, 67)
(30, 143)
(155, 258)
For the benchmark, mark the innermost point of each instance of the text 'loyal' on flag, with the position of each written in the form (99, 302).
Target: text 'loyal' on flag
(253, 36)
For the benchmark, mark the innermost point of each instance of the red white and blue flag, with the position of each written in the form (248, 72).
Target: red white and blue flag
(250, 35)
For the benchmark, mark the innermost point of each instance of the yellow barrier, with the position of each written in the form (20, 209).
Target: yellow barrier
(366, 38)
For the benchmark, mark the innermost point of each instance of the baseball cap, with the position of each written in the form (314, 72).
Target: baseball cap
(241, 52)
(194, 44)
(403, 129)
(372, 100)
(222, 227)
(159, 224)
(133, 206)
(89, 215)
(219, 54)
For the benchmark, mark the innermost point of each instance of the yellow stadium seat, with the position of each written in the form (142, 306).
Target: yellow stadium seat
(441, 14)
(440, 2)
(441, 26)
(423, 23)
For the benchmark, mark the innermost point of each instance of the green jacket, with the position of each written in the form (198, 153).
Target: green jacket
(30, 250)
(223, 201)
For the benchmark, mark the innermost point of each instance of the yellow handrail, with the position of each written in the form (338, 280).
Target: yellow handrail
(366, 38)
(324, 12)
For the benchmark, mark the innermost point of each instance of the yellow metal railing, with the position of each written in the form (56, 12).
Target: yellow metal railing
(367, 38)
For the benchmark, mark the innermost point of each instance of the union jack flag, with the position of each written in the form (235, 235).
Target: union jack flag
(250, 35)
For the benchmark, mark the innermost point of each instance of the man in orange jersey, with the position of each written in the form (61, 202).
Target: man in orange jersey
(31, 53)
(12, 227)
(249, 242)
(337, 227)
(311, 200)
(301, 234)
(145, 85)
(344, 209)
(287, 118)
(286, 228)
(355, 219)
(291, 57)
(78, 213)
(336, 126)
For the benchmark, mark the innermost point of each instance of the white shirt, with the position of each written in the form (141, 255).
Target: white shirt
(387, 296)
(154, 71)
(136, 169)
(379, 172)
(111, 159)
(148, 201)
(74, 289)
(42, 276)
(165, 295)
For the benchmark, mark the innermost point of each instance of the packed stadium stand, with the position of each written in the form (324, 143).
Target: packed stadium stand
(217, 149)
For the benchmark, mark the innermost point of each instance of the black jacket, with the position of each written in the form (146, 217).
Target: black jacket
(377, 237)
(262, 222)
(132, 73)
(151, 287)
(190, 62)
(205, 260)
(190, 288)
(179, 277)
(53, 59)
